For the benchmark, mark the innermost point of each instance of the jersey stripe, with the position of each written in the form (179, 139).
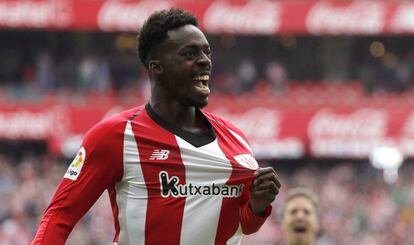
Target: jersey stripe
(164, 214)
(115, 210)
(201, 164)
(236, 238)
(131, 219)
(244, 142)
(229, 215)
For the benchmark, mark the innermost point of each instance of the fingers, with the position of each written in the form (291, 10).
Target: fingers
(268, 186)
(263, 175)
(261, 171)
(265, 193)
(265, 198)
(270, 177)
(264, 188)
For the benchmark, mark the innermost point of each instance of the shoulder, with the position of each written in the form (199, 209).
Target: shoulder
(111, 128)
(220, 121)
(228, 125)
(228, 128)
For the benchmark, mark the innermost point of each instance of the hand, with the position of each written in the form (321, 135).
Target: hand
(263, 189)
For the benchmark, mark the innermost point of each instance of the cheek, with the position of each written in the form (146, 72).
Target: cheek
(176, 79)
(183, 75)
(315, 224)
(288, 224)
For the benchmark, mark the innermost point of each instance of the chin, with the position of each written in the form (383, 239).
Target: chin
(302, 239)
(200, 103)
(203, 105)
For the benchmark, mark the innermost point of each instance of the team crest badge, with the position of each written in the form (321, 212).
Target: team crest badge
(247, 160)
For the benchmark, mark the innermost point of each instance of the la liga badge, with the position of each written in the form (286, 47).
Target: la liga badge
(76, 165)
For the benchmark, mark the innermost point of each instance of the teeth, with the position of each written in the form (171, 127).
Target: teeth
(202, 78)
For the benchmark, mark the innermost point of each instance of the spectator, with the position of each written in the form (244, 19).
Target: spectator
(300, 222)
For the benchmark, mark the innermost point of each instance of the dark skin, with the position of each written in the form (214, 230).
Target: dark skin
(179, 70)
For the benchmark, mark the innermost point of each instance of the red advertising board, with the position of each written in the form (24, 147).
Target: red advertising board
(220, 16)
(274, 129)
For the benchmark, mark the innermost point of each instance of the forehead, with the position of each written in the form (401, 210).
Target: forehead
(300, 202)
(186, 35)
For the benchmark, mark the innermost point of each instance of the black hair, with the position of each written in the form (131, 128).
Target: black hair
(154, 31)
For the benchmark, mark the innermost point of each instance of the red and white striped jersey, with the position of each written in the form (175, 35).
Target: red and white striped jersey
(166, 185)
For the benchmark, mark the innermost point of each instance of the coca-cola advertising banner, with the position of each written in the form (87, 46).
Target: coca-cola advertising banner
(220, 16)
(274, 131)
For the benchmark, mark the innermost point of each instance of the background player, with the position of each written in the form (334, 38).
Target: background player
(300, 222)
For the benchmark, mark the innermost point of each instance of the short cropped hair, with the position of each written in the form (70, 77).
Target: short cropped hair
(154, 31)
(301, 192)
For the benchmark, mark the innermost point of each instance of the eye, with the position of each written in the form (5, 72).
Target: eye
(189, 54)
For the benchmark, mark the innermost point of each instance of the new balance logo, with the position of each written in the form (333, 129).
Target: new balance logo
(159, 155)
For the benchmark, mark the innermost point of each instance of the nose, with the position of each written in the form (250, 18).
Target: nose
(204, 61)
(300, 215)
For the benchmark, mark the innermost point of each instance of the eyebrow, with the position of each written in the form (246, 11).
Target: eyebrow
(195, 46)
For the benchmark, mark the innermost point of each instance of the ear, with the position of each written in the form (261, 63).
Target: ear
(155, 67)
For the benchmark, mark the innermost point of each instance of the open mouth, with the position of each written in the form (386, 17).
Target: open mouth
(202, 78)
(201, 82)
(299, 229)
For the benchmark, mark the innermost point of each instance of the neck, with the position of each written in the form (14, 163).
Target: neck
(174, 112)
(182, 116)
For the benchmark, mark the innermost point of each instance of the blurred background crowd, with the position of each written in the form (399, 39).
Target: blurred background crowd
(36, 64)
(357, 206)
